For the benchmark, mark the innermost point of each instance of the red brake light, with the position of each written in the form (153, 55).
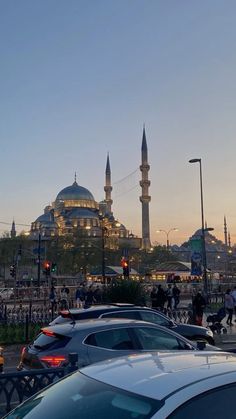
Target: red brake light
(48, 332)
(23, 350)
(53, 361)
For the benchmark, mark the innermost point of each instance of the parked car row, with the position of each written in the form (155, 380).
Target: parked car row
(132, 367)
(173, 385)
(131, 311)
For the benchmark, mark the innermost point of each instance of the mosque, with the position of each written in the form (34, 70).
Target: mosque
(76, 210)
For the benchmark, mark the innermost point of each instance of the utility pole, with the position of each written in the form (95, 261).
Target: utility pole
(39, 260)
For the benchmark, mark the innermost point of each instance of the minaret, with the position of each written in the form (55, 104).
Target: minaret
(229, 240)
(225, 232)
(108, 187)
(13, 230)
(145, 198)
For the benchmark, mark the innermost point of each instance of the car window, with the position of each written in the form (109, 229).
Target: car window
(122, 315)
(44, 341)
(78, 396)
(152, 317)
(153, 339)
(116, 339)
(217, 404)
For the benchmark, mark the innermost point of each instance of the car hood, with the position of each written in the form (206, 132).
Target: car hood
(190, 329)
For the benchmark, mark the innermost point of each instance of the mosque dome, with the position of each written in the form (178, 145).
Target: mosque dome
(74, 192)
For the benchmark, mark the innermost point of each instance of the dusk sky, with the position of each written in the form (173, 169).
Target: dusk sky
(79, 78)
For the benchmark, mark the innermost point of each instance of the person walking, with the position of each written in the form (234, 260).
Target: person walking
(64, 303)
(176, 294)
(161, 298)
(89, 299)
(153, 297)
(233, 293)
(79, 296)
(52, 298)
(169, 295)
(229, 305)
(199, 303)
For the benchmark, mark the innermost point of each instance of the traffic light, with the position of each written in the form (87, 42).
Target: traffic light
(54, 267)
(47, 268)
(13, 270)
(125, 266)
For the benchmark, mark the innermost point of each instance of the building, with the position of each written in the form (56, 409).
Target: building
(75, 210)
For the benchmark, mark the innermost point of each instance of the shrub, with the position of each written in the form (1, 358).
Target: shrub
(126, 291)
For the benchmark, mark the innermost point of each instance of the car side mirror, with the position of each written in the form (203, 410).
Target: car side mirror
(201, 345)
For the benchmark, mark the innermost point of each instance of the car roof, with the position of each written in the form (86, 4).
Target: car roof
(68, 328)
(115, 306)
(159, 375)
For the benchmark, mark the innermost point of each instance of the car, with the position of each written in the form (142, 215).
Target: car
(96, 340)
(131, 311)
(173, 385)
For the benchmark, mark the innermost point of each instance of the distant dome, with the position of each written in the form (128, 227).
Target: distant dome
(44, 218)
(74, 192)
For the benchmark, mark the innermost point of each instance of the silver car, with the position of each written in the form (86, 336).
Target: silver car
(97, 340)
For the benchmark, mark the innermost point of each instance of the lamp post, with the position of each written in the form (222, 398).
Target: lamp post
(39, 261)
(204, 260)
(103, 255)
(167, 235)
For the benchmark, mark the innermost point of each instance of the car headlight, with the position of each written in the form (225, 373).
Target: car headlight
(209, 333)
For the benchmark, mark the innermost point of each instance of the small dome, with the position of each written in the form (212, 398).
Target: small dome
(74, 192)
(44, 218)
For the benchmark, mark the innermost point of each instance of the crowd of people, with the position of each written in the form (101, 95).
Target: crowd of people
(165, 298)
(84, 296)
(161, 299)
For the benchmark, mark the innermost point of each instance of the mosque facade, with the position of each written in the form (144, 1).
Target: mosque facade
(76, 210)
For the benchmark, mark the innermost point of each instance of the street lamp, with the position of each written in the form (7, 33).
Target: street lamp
(204, 261)
(167, 235)
(39, 260)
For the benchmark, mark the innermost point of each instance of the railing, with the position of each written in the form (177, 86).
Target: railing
(181, 315)
(17, 387)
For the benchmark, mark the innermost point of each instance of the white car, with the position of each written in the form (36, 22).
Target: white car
(158, 386)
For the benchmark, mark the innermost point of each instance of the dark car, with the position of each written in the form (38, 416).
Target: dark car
(99, 339)
(130, 311)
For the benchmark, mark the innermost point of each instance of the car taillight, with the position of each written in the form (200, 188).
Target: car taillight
(53, 361)
(23, 350)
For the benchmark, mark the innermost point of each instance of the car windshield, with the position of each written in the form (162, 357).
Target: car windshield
(78, 396)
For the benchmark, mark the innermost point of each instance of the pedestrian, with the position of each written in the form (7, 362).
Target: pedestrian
(176, 294)
(52, 298)
(169, 296)
(79, 296)
(233, 293)
(229, 306)
(97, 295)
(153, 297)
(89, 299)
(199, 303)
(64, 297)
(161, 298)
